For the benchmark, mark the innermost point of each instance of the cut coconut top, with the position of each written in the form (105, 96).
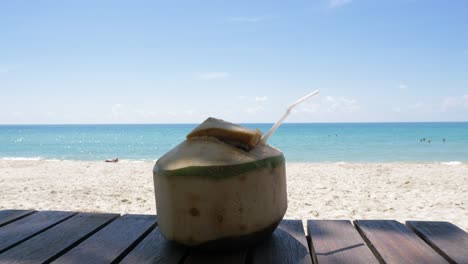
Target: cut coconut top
(230, 133)
(208, 155)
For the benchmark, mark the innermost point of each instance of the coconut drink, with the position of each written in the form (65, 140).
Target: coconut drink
(223, 187)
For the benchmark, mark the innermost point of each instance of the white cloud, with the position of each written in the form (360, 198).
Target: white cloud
(117, 109)
(397, 109)
(464, 101)
(152, 114)
(128, 113)
(244, 19)
(124, 113)
(416, 105)
(338, 3)
(50, 114)
(402, 86)
(6, 68)
(329, 104)
(213, 75)
(141, 113)
(341, 104)
(310, 108)
(449, 103)
(254, 110)
(257, 99)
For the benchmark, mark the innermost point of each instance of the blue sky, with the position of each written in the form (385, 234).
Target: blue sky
(243, 61)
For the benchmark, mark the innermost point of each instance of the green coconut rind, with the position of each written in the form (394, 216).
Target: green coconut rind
(221, 172)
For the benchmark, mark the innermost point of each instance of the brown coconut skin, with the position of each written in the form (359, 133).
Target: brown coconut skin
(214, 212)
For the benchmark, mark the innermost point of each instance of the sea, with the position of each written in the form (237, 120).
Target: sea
(323, 142)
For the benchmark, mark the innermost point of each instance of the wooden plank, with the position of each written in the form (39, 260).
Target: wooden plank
(112, 242)
(446, 238)
(8, 216)
(22, 229)
(337, 241)
(202, 257)
(287, 244)
(57, 239)
(154, 248)
(393, 242)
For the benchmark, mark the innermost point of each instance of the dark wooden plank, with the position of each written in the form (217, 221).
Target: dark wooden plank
(393, 242)
(337, 241)
(446, 238)
(287, 244)
(205, 257)
(57, 239)
(25, 228)
(8, 216)
(112, 242)
(154, 248)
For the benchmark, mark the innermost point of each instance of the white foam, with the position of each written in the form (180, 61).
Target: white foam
(451, 163)
(134, 160)
(18, 140)
(22, 158)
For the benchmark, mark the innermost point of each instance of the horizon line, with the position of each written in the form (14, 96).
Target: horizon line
(351, 122)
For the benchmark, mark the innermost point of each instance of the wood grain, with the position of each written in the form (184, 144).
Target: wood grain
(24, 228)
(66, 237)
(154, 248)
(447, 239)
(57, 239)
(8, 216)
(337, 241)
(287, 244)
(393, 242)
(112, 242)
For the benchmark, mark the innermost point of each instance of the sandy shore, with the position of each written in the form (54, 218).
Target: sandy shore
(401, 191)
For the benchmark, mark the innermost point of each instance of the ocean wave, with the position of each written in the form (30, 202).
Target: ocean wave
(135, 160)
(65, 159)
(451, 163)
(22, 158)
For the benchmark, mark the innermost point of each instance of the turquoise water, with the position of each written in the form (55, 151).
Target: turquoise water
(348, 142)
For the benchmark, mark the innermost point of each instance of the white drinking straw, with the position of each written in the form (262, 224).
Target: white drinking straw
(275, 126)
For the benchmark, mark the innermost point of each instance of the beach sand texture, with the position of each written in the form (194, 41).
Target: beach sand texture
(401, 191)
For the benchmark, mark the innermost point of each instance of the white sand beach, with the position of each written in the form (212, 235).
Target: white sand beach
(401, 191)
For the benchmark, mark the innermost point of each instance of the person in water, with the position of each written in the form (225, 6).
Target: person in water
(112, 160)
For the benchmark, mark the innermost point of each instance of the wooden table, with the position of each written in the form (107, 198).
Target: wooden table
(71, 237)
